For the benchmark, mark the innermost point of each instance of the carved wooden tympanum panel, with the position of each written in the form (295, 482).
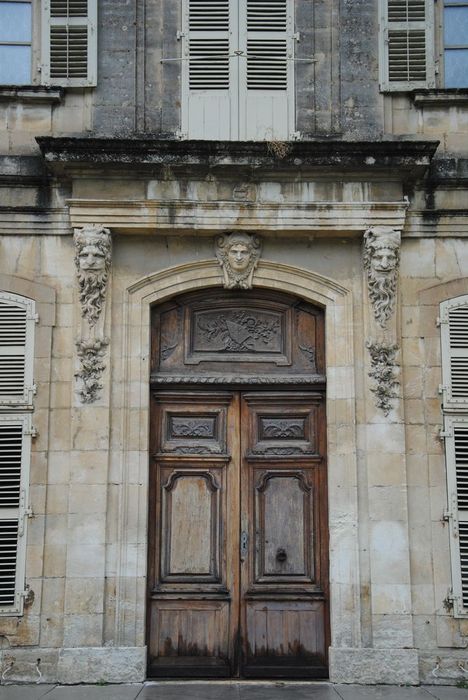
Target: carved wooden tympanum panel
(227, 336)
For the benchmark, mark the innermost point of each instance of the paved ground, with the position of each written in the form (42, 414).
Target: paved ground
(230, 691)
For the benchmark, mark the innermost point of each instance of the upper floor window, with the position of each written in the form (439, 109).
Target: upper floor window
(15, 42)
(455, 22)
(238, 69)
(416, 36)
(54, 44)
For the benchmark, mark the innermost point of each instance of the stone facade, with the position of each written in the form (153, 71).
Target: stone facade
(107, 158)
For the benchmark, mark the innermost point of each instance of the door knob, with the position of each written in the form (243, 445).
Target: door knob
(281, 555)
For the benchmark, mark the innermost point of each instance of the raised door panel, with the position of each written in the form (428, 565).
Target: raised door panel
(284, 545)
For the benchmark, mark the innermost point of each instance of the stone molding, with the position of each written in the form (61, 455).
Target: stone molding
(132, 437)
(321, 218)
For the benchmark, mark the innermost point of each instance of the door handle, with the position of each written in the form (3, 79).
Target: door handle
(244, 545)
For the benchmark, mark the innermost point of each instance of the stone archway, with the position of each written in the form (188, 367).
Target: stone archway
(131, 397)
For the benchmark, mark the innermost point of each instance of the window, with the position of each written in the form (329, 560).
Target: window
(238, 69)
(454, 337)
(17, 321)
(406, 44)
(15, 42)
(68, 43)
(455, 23)
(408, 59)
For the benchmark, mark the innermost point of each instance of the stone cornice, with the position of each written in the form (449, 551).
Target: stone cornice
(403, 159)
(319, 218)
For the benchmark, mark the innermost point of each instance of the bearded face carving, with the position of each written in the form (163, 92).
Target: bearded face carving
(238, 254)
(381, 260)
(92, 260)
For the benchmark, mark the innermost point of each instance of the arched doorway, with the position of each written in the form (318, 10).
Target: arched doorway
(238, 540)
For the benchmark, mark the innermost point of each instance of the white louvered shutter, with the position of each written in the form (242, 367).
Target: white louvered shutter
(454, 336)
(407, 44)
(17, 321)
(15, 439)
(266, 78)
(456, 451)
(209, 104)
(69, 42)
(238, 69)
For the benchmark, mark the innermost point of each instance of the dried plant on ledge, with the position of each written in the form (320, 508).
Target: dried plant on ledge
(384, 368)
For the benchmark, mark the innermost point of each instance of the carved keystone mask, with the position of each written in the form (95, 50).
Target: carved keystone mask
(92, 261)
(238, 254)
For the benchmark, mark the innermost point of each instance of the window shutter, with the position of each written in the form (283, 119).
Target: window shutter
(17, 322)
(238, 69)
(266, 77)
(15, 438)
(456, 450)
(454, 336)
(69, 42)
(407, 44)
(207, 80)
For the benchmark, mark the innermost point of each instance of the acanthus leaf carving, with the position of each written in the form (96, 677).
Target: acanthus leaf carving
(383, 371)
(91, 354)
(238, 254)
(381, 259)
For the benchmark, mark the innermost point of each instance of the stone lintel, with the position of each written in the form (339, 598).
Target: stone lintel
(318, 218)
(405, 160)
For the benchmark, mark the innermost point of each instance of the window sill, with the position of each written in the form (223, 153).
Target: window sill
(451, 96)
(31, 93)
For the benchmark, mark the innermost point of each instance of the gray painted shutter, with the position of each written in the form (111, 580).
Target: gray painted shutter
(454, 336)
(69, 42)
(208, 95)
(456, 451)
(238, 69)
(17, 322)
(407, 44)
(266, 77)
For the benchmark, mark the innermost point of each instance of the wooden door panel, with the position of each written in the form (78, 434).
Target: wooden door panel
(284, 545)
(285, 638)
(193, 590)
(284, 573)
(191, 527)
(190, 638)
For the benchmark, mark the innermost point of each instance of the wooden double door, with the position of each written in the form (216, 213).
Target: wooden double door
(238, 542)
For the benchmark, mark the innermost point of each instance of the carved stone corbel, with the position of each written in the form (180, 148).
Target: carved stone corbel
(383, 371)
(93, 251)
(381, 260)
(238, 254)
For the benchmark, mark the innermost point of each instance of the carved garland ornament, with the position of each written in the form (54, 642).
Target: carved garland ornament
(238, 254)
(93, 249)
(91, 353)
(381, 260)
(383, 372)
